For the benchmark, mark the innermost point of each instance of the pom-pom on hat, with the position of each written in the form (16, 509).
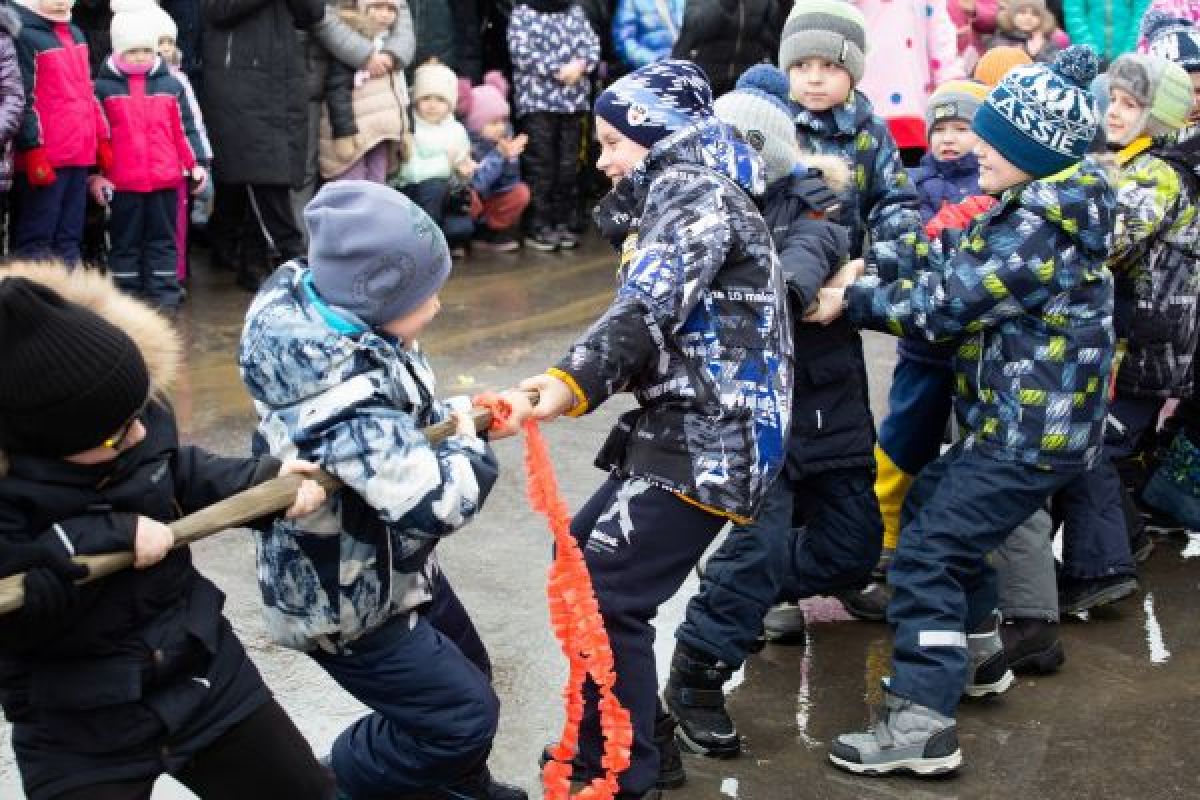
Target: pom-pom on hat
(1172, 38)
(1042, 118)
(995, 63)
(135, 25)
(68, 378)
(1162, 88)
(372, 251)
(758, 108)
(834, 30)
(653, 102)
(958, 99)
(484, 103)
(436, 80)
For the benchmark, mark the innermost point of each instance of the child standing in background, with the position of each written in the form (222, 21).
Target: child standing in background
(439, 158)
(554, 51)
(63, 133)
(1028, 24)
(154, 143)
(172, 56)
(498, 197)
(365, 117)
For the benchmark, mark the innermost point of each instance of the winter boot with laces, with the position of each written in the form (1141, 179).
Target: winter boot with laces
(906, 737)
(988, 673)
(695, 698)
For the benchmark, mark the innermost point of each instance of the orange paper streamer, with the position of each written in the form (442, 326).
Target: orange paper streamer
(578, 626)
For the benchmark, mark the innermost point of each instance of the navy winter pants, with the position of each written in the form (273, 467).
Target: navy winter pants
(772, 560)
(434, 711)
(1096, 508)
(143, 255)
(48, 220)
(960, 508)
(639, 543)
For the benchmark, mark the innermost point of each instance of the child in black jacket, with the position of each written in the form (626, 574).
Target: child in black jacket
(111, 684)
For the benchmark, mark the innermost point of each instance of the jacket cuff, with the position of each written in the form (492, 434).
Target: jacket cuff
(581, 400)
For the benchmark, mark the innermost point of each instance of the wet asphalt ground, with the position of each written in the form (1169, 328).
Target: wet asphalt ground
(1121, 720)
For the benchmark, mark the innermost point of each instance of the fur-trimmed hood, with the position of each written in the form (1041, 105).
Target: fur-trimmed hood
(155, 337)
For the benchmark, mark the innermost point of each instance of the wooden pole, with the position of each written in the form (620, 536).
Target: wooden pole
(268, 497)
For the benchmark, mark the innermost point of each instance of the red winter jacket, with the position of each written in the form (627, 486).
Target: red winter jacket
(61, 112)
(154, 135)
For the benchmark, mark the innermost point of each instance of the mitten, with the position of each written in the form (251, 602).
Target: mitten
(104, 156)
(37, 167)
(343, 148)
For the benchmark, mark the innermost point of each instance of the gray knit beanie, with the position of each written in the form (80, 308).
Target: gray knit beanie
(831, 29)
(758, 109)
(373, 252)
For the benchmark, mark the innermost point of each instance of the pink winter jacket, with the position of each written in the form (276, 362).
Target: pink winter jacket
(154, 136)
(918, 53)
(972, 28)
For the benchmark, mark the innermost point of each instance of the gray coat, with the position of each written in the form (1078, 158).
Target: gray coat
(12, 92)
(332, 37)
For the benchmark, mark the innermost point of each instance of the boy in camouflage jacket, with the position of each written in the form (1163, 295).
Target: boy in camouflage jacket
(1025, 293)
(330, 357)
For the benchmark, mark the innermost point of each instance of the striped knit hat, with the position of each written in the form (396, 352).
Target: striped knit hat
(1042, 118)
(830, 29)
(958, 99)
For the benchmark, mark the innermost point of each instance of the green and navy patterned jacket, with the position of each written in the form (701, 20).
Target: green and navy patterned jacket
(1155, 261)
(880, 201)
(1025, 292)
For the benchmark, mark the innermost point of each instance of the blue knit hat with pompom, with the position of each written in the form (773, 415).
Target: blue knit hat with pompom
(1043, 118)
(1172, 38)
(758, 108)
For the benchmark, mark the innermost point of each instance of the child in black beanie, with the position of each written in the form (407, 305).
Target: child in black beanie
(111, 684)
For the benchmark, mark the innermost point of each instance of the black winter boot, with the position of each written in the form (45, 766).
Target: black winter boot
(695, 698)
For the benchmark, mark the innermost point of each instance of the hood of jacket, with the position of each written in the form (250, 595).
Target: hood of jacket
(712, 144)
(1067, 201)
(155, 337)
(315, 347)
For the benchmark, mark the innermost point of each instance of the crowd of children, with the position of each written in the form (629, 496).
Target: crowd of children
(1039, 266)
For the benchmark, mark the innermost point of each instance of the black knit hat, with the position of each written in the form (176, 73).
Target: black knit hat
(68, 379)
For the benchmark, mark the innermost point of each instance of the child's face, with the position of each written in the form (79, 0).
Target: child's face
(129, 436)
(432, 108)
(1122, 123)
(495, 130)
(408, 328)
(1027, 19)
(1194, 117)
(952, 139)
(138, 56)
(55, 8)
(997, 173)
(382, 14)
(819, 85)
(166, 48)
(618, 153)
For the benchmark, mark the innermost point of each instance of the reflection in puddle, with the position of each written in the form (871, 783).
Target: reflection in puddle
(729, 787)
(1154, 636)
(803, 700)
(1192, 548)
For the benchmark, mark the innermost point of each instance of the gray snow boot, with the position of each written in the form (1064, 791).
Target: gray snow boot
(987, 668)
(905, 738)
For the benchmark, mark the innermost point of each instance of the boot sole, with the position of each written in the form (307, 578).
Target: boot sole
(979, 690)
(1042, 662)
(1103, 598)
(916, 766)
(698, 749)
